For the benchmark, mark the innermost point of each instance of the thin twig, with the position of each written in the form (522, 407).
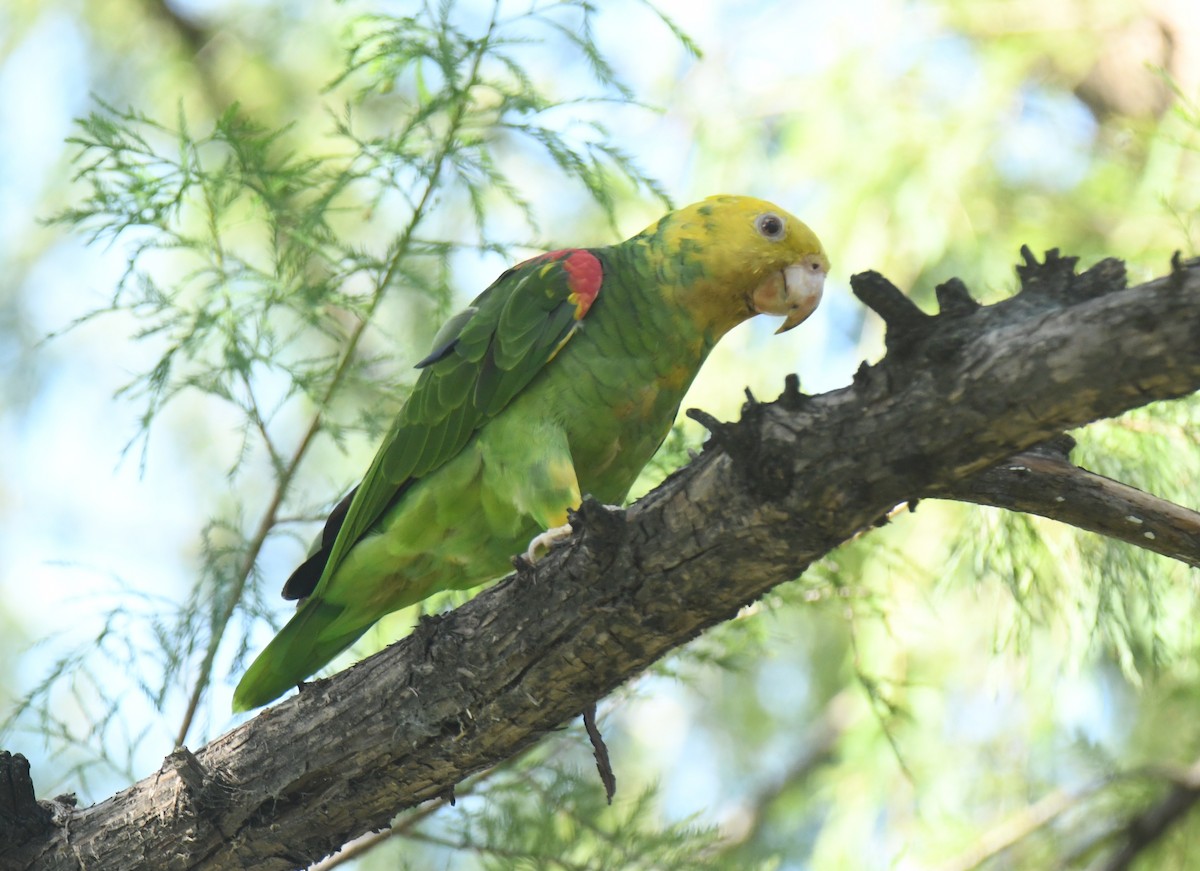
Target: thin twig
(260, 424)
(600, 751)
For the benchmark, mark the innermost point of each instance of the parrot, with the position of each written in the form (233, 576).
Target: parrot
(561, 379)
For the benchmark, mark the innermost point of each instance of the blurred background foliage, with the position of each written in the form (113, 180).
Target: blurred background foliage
(963, 688)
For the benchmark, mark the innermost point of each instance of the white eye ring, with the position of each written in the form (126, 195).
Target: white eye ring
(770, 226)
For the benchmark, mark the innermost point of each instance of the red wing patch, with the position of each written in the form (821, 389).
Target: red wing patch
(585, 277)
(585, 274)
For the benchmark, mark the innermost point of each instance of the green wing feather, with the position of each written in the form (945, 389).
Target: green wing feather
(482, 358)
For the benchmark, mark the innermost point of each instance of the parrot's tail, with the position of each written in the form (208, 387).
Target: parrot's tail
(296, 652)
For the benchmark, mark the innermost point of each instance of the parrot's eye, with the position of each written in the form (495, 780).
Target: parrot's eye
(770, 225)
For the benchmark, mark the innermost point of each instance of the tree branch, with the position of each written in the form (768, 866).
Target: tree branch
(955, 395)
(1043, 480)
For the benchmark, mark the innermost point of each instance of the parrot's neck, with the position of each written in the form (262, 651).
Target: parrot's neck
(653, 296)
(681, 285)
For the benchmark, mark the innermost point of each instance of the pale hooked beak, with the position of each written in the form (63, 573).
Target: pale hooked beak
(793, 291)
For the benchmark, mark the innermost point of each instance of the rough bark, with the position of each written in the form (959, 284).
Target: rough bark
(21, 817)
(955, 394)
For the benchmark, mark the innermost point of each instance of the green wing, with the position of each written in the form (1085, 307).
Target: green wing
(482, 358)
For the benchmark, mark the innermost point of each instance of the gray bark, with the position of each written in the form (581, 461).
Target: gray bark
(956, 394)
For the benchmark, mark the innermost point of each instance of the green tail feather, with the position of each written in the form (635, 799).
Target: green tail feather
(294, 654)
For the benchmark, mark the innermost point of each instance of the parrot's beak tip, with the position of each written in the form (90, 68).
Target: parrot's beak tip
(797, 316)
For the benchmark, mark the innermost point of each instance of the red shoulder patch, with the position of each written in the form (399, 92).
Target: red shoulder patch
(585, 274)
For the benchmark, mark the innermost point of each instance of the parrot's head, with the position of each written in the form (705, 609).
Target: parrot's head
(732, 257)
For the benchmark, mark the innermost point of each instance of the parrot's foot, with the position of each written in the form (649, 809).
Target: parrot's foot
(547, 540)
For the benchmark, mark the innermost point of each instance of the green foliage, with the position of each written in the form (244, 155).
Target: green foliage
(547, 810)
(552, 816)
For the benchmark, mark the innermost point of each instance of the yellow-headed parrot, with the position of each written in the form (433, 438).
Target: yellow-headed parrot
(562, 378)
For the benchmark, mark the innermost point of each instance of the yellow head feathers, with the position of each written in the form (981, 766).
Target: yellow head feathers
(731, 257)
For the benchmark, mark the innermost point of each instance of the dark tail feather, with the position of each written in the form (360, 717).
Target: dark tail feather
(304, 579)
